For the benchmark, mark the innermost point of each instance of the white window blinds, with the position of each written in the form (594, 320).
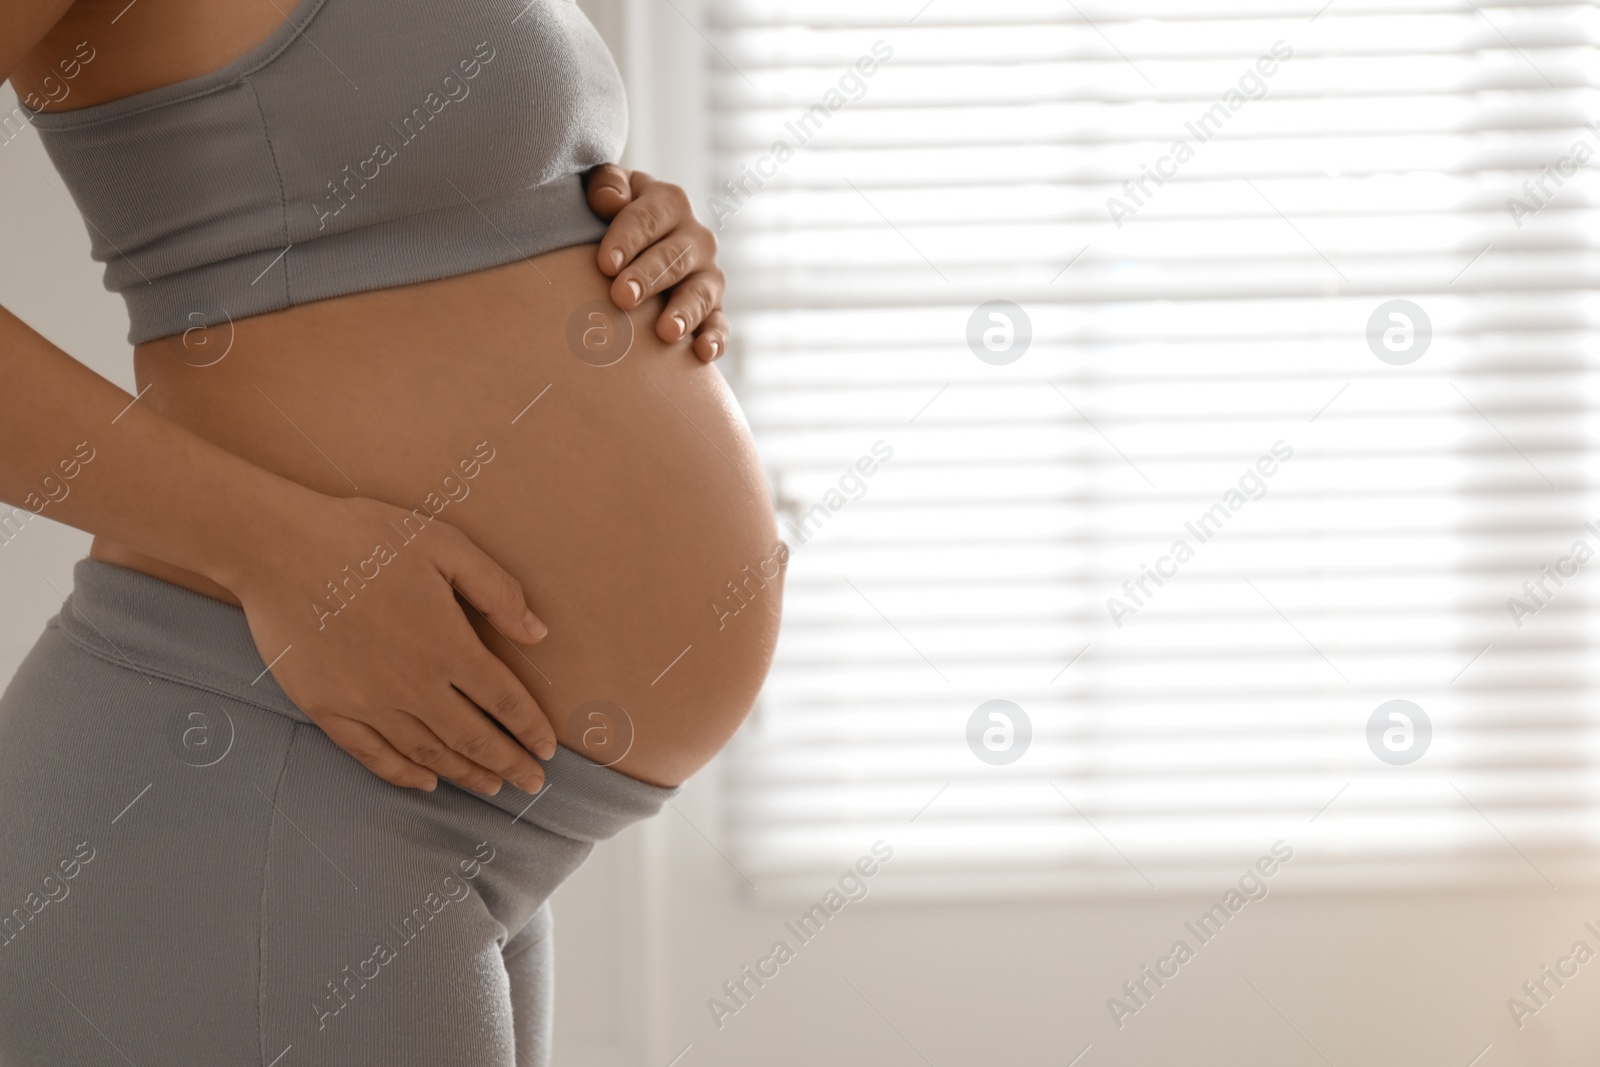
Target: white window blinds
(1203, 215)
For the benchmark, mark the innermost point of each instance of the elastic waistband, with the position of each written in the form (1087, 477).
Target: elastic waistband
(163, 630)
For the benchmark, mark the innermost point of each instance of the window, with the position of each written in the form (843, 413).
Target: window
(1307, 293)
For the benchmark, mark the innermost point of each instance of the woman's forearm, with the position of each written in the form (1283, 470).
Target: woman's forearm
(81, 451)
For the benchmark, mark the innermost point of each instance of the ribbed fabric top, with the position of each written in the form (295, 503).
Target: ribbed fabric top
(163, 630)
(364, 144)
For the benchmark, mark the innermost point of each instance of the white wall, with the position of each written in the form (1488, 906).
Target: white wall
(658, 921)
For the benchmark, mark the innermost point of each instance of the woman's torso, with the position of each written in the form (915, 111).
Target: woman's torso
(622, 492)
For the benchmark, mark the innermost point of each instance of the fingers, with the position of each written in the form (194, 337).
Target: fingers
(657, 210)
(421, 746)
(609, 190)
(712, 341)
(461, 725)
(376, 754)
(693, 301)
(489, 683)
(487, 586)
(660, 267)
(478, 675)
(655, 244)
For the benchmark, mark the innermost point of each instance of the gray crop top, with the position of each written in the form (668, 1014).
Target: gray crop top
(365, 144)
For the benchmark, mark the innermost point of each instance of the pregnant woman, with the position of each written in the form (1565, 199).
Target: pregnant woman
(293, 774)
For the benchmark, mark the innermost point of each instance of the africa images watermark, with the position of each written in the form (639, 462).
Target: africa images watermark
(1251, 887)
(411, 126)
(1252, 486)
(852, 887)
(1538, 591)
(55, 89)
(351, 582)
(1252, 85)
(1538, 193)
(852, 486)
(53, 888)
(55, 487)
(749, 588)
(343, 987)
(850, 86)
(1537, 993)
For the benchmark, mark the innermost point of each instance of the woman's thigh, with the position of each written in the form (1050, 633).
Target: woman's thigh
(192, 879)
(530, 964)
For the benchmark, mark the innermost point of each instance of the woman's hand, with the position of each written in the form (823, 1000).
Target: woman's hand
(655, 243)
(392, 670)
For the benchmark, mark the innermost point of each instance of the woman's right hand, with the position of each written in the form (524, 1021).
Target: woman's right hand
(391, 669)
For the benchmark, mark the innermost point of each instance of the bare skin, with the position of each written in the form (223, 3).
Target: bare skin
(265, 458)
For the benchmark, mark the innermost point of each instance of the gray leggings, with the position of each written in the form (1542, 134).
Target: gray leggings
(191, 872)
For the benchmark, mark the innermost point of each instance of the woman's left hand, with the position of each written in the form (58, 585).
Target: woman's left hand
(654, 244)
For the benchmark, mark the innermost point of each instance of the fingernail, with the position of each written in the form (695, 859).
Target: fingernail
(716, 347)
(616, 258)
(545, 749)
(683, 323)
(531, 784)
(491, 789)
(537, 629)
(636, 289)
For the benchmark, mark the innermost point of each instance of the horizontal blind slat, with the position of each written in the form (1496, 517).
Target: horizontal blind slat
(961, 530)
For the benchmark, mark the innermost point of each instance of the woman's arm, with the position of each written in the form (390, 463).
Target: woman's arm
(385, 683)
(400, 683)
(133, 476)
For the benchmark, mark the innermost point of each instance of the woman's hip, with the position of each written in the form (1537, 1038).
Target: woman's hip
(183, 845)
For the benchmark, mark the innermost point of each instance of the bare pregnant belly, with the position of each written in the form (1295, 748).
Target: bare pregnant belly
(616, 480)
